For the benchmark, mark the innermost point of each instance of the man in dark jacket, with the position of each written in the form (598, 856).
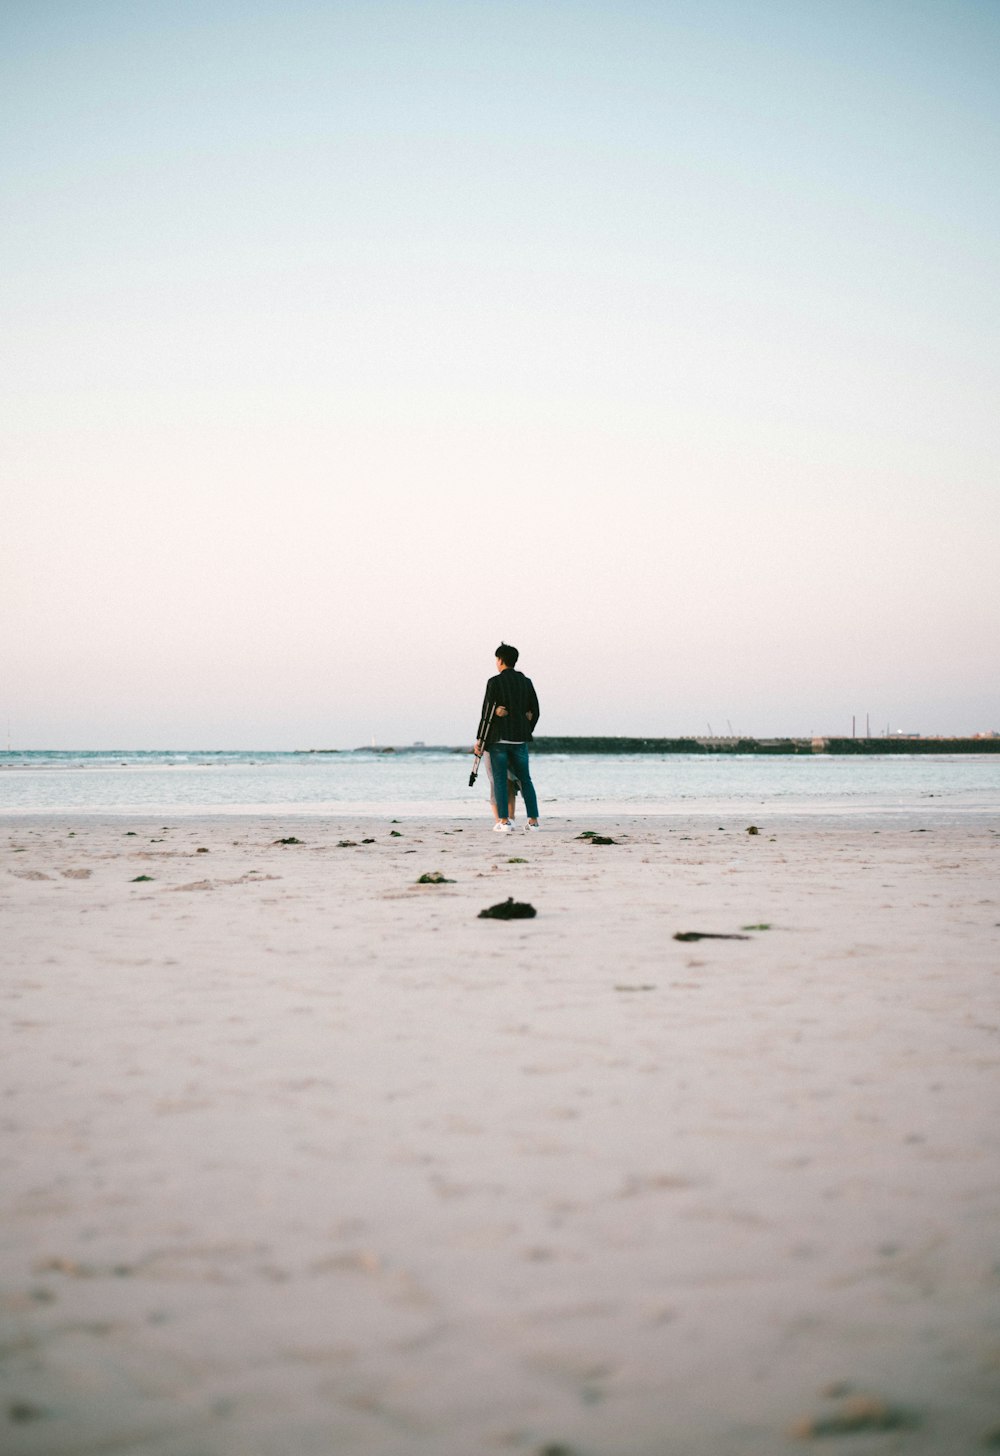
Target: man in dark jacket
(510, 712)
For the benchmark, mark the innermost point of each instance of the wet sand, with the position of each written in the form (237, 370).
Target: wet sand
(302, 1157)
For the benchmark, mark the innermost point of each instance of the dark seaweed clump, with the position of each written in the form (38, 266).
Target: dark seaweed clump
(509, 909)
(707, 935)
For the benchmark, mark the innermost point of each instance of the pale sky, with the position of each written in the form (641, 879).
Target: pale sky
(344, 340)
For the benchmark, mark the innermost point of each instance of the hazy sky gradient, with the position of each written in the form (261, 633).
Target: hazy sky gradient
(344, 340)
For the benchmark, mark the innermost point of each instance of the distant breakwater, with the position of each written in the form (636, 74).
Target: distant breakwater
(766, 745)
(708, 746)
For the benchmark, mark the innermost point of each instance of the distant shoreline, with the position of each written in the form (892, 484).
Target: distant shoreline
(840, 746)
(702, 747)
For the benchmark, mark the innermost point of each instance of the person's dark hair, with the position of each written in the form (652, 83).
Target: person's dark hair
(508, 655)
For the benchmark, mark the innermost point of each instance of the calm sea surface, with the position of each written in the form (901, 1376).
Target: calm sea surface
(436, 782)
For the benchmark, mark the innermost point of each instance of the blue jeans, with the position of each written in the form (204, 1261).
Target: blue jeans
(515, 757)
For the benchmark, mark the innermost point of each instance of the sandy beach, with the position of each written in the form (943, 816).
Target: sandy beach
(301, 1156)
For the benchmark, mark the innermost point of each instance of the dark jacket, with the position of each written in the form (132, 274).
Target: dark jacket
(515, 692)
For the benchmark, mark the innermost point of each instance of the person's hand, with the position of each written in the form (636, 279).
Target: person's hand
(478, 750)
(501, 711)
(530, 716)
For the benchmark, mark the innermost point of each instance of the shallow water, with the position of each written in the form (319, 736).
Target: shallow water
(436, 782)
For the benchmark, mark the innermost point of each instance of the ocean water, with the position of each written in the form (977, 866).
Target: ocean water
(435, 782)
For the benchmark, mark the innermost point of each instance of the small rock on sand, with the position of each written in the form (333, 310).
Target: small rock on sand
(857, 1414)
(21, 1411)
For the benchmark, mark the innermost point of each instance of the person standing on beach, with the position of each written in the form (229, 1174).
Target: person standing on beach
(510, 713)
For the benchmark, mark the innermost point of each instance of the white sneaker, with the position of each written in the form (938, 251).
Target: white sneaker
(501, 828)
(533, 828)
